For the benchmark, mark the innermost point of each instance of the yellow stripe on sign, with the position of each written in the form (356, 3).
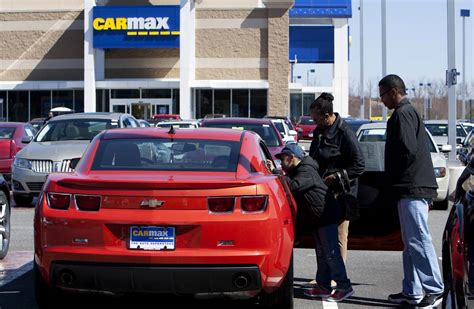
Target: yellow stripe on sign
(154, 33)
(132, 33)
(142, 32)
(174, 32)
(165, 33)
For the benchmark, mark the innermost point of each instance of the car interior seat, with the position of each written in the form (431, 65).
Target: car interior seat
(71, 132)
(123, 154)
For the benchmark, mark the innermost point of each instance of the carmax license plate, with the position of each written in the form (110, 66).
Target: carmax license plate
(152, 238)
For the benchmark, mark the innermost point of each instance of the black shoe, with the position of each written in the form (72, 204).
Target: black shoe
(401, 298)
(431, 300)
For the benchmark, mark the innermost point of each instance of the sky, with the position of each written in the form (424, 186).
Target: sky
(416, 43)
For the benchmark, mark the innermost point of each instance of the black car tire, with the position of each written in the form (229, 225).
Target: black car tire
(22, 200)
(283, 296)
(4, 224)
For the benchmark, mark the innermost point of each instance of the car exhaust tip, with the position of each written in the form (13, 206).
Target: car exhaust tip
(66, 277)
(241, 281)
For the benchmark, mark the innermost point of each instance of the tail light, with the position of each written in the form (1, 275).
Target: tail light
(13, 148)
(221, 204)
(88, 202)
(59, 200)
(253, 203)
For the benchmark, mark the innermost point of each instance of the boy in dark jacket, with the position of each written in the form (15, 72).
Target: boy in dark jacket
(315, 202)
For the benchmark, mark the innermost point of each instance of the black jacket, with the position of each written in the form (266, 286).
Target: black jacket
(336, 148)
(315, 203)
(408, 166)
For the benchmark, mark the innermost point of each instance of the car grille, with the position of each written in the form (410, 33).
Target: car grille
(35, 186)
(47, 166)
(42, 166)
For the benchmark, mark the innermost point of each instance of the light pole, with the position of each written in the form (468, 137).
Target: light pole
(426, 100)
(384, 50)
(464, 14)
(307, 75)
(361, 23)
(292, 64)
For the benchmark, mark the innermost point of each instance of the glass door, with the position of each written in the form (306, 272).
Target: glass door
(119, 108)
(141, 110)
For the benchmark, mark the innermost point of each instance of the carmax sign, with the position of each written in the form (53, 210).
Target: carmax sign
(136, 26)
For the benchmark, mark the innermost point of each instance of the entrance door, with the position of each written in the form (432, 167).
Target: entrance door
(141, 110)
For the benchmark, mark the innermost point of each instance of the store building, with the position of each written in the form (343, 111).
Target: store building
(192, 57)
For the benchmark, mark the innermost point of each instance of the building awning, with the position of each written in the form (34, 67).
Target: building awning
(321, 9)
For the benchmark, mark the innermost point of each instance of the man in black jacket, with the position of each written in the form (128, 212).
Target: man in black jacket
(411, 180)
(319, 206)
(336, 149)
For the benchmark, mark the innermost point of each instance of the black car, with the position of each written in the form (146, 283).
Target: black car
(458, 247)
(4, 218)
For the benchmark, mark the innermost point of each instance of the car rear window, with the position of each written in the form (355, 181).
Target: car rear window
(306, 121)
(266, 131)
(7, 133)
(159, 154)
(74, 129)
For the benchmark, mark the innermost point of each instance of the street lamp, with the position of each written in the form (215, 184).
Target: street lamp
(307, 75)
(464, 14)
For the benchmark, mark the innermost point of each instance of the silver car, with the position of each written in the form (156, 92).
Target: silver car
(63, 138)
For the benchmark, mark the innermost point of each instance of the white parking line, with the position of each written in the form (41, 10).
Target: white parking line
(15, 265)
(329, 305)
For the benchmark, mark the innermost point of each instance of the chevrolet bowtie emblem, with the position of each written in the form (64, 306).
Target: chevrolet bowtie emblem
(151, 203)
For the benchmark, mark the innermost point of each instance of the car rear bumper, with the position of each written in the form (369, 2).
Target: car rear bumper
(130, 278)
(6, 166)
(442, 191)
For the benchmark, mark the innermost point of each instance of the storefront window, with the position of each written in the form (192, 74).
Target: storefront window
(3, 105)
(18, 106)
(63, 98)
(156, 93)
(175, 101)
(222, 102)
(295, 106)
(102, 102)
(79, 101)
(203, 103)
(308, 98)
(258, 103)
(240, 103)
(125, 93)
(40, 103)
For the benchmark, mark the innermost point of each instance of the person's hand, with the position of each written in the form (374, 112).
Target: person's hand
(270, 165)
(329, 180)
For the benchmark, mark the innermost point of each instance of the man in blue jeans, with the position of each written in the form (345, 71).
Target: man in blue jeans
(411, 180)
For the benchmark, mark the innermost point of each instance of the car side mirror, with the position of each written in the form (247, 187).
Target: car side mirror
(282, 134)
(293, 132)
(26, 139)
(73, 163)
(446, 148)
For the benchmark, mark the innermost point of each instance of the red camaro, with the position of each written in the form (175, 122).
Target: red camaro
(305, 127)
(168, 211)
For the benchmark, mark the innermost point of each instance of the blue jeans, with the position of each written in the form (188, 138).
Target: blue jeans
(330, 263)
(420, 263)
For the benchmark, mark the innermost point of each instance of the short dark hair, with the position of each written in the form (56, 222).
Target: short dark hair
(323, 104)
(393, 81)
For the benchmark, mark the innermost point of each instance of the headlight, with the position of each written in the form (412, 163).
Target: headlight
(440, 172)
(23, 163)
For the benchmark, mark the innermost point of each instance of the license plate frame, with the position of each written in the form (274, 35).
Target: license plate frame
(152, 238)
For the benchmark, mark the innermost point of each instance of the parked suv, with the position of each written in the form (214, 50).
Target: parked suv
(63, 138)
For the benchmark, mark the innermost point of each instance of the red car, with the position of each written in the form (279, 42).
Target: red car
(14, 136)
(263, 127)
(180, 211)
(305, 127)
(166, 117)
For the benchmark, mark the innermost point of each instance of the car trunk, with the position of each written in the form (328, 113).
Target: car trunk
(7, 148)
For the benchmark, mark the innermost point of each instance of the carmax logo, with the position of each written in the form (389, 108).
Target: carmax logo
(135, 25)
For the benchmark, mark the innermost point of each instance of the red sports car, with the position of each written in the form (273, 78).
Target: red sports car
(14, 136)
(168, 211)
(263, 127)
(305, 127)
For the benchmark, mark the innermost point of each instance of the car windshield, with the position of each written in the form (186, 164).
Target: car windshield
(306, 120)
(442, 130)
(74, 129)
(7, 133)
(160, 154)
(378, 135)
(266, 131)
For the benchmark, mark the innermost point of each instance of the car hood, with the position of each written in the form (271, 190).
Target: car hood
(438, 160)
(55, 151)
